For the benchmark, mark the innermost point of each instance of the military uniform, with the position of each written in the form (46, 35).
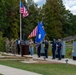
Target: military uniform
(14, 48)
(39, 50)
(53, 49)
(46, 48)
(7, 44)
(59, 47)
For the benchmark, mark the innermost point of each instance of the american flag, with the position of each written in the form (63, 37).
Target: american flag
(23, 10)
(33, 33)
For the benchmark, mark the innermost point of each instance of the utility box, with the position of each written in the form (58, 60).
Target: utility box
(74, 50)
(63, 51)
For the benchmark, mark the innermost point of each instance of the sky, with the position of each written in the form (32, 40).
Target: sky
(40, 2)
(69, 4)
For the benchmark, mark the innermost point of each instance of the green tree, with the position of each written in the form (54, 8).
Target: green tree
(2, 43)
(52, 18)
(9, 18)
(58, 21)
(73, 17)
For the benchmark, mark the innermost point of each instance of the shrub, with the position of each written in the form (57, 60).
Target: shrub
(2, 43)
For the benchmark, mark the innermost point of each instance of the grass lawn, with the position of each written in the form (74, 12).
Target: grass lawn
(1, 74)
(45, 69)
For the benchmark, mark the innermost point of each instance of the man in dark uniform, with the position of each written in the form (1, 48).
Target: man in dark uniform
(53, 49)
(59, 47)
(46, 48)
(38, 50)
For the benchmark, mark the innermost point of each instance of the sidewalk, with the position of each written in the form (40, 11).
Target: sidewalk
(13, 71)
(70, 61)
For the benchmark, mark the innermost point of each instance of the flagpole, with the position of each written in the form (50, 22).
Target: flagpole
(20, 27)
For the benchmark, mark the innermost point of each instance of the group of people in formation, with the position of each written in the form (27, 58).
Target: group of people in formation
(44, 48)
(33, 46)
(56, 47)
(30, 44)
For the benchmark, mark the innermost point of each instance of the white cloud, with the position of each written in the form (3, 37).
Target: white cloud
(37, 1)
(40, 2)
(70, 5)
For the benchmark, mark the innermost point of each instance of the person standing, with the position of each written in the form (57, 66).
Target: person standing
(46, 48)
(53, 43)
(18, 45)
(13, 47)
(39, 50)
(31, 47)
(59, 47)
(7, 45)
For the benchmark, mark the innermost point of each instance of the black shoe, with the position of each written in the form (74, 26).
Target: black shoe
(38, 56)
(53, 58)
(46, 57)
(59, 59)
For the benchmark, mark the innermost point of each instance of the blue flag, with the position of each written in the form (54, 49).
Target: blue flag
(40, 34)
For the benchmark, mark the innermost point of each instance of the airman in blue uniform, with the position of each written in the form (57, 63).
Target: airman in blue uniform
(46, 48)
(39, 50)
(59, 47)
(53, 49)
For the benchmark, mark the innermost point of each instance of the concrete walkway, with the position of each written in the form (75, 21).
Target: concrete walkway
(13, 71)
(70, 61)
